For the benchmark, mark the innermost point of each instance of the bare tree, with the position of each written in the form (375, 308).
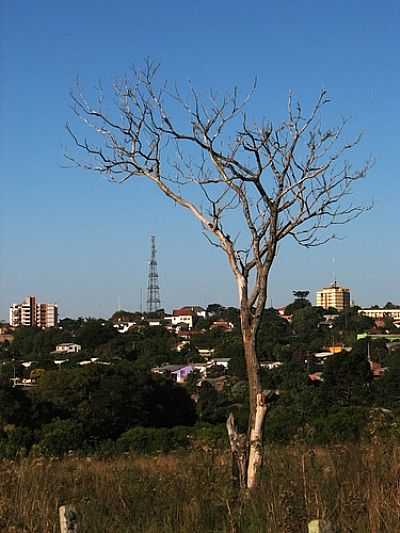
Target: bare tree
(264, 182)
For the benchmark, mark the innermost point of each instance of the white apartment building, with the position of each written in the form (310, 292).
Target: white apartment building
(29, 313)
(333, 296)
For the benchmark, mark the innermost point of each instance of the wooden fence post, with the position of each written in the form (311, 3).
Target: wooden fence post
(68, 519)
(320, 526)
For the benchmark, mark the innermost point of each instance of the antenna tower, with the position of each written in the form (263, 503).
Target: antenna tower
(153, 289)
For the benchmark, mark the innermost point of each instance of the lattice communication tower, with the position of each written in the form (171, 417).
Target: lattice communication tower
(153, 289)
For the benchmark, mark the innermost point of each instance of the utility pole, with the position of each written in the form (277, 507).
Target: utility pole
(153, 289)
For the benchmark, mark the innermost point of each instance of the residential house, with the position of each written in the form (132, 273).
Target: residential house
(178, 372)
(68, 347)
(222, 324)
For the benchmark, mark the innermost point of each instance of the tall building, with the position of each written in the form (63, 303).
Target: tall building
(29, 313)
(46, 315)
(333, 296)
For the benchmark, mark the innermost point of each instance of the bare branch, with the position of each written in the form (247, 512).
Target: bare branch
(284, 180)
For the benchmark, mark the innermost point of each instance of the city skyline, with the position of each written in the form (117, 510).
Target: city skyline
(325, 297)
(81, 242)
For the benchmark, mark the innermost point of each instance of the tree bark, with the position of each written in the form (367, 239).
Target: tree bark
(248, 449)
(256, 445)
(258, 406)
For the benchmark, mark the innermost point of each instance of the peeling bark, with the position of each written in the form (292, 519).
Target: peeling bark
(256, 447)
(239, 450)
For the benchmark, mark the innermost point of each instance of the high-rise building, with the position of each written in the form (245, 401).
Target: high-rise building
(333, 296)
(29, 313)
(46, 315)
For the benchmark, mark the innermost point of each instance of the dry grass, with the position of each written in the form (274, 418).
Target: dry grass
(356, 487)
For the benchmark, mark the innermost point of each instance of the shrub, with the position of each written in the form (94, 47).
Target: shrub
(154, 440)
(15, 441)
(283, 424)
(343, 425)
(214, 436)
(60, 436)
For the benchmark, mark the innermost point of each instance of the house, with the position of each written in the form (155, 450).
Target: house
(335, 348)
(220, 361)
(180, 345)
(187, 315)
(155, 322)
(6, 337)
(94, 360)
(123, 327)
(270, 365)
(68, 347)
(375, 313)
(322, 356)
(183, 316)
(282, 314)
(206, 352)
(200, 312)
(178, 372)
(89, 361)
(6, 334)
(201, 367)
(222, 324)
(60, 362)
(183, 333)
(316, 377)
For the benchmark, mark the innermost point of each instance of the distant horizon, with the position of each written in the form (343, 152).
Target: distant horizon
(166, 309)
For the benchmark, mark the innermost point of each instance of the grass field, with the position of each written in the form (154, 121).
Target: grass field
(356, 487)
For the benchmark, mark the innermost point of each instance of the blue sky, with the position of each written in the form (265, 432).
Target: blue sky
(70, 237)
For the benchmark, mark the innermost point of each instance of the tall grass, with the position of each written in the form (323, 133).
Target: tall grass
(356, 487)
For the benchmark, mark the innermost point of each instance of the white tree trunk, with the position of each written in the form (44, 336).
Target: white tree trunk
(256, 443)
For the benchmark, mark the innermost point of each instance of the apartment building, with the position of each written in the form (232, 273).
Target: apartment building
(333, 296)
(30, 313)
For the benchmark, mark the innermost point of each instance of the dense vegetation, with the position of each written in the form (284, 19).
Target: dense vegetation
(115, 404)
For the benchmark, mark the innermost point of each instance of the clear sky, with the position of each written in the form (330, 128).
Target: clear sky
(70, 237)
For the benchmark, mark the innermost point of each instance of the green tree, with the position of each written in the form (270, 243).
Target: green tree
(300, 301)
(212, 406)
(273, 334)
(107, 400)
(94, 333)
(387, 388)
(306, 327)
(348, 377)
(15, 406)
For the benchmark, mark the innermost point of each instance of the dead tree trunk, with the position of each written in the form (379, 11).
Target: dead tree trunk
(248, 449)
